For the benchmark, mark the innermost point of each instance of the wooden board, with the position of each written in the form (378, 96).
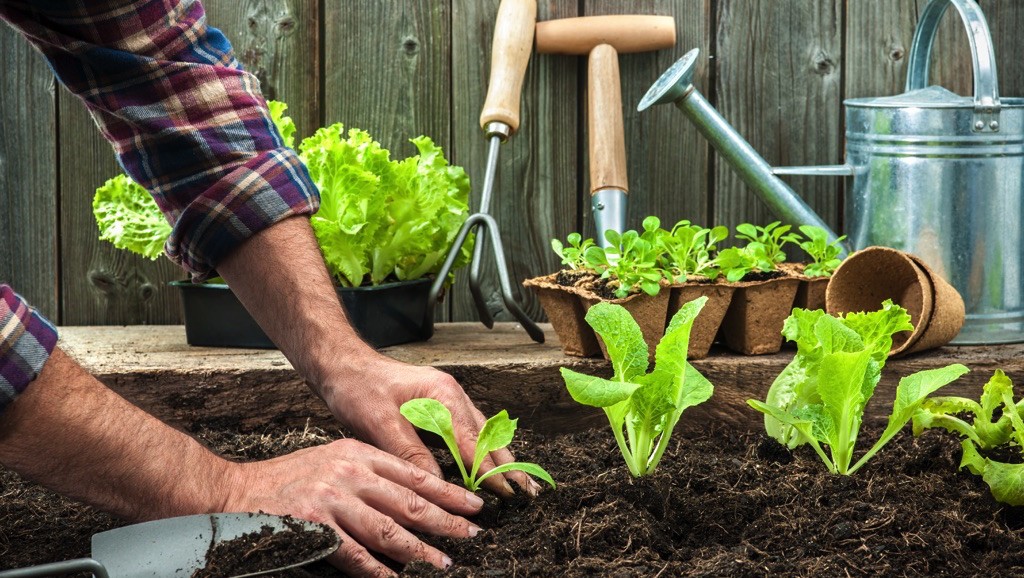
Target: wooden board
(500, 369)
(778, 75)
(28, 184)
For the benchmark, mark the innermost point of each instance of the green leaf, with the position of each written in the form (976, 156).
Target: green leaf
(496, 434)
(1006, 481)
(532, 469)
(284, 124)
(596, 391)
(622, 336)
(128, 217)
(432, 416)
(841, 387)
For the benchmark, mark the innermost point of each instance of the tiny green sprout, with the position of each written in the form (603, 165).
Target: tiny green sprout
(572, 255)
(824, 255)
(431, 415)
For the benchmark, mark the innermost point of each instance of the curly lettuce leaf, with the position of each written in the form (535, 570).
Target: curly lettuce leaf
(285, 125)
(380, 219)
(128, 217)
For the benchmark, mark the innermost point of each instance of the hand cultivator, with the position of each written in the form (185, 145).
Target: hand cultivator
(513, 42)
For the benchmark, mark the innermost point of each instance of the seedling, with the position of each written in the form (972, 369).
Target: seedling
(824, 255)
(985, 431)
(688, 247)
(431, 415)
(642, 408)
(819, 398)
(629, 259)
(573, 255)
(773, 237)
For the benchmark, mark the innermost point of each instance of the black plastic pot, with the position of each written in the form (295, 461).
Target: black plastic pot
(388, 314)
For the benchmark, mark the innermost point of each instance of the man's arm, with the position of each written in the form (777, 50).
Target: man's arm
(70, 433)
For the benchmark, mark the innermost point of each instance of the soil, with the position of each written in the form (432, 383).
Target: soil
(265, 549)
(754, 276)
(721, 504)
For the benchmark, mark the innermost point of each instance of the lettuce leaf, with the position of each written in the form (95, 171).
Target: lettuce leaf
(379, 219)
(128, 217)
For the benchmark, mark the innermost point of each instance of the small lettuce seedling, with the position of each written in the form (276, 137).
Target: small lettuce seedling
(819, 398)
(642, 408)
(771, 238)
(824, 255)
(431, 415)
(688, 247)
(573, 254)
(629, 259)
(985, 431)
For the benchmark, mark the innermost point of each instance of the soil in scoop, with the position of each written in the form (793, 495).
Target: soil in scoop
(721, 504)
(265, 549)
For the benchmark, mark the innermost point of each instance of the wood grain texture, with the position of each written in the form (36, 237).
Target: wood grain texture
(538, 188)
(28, 183)
(500, 369)
(778, 83)
(667, 160)
(279, 42)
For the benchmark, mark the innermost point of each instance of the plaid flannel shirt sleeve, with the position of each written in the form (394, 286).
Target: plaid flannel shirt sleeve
(186, 122)
(26, 341)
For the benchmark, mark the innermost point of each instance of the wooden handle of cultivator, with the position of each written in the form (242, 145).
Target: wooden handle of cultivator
(510, 53)
(624, 32)
(604, 117)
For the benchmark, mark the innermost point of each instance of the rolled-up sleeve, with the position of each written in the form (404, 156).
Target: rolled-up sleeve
(26, 341)
(186, 122)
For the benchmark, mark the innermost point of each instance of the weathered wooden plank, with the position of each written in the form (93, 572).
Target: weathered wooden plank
(778, 83)
(279, 42)
(667, 159)
(28, 178)
(500, 369)
(537, 191)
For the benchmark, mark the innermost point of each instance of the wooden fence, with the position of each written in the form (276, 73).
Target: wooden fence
(778, 70)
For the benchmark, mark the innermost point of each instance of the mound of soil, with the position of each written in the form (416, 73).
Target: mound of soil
(721, 504)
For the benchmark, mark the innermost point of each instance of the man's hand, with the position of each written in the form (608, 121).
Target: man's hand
(367, 496)
(372, 412)
(280, 277)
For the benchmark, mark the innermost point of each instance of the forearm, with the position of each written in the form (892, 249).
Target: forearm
(75, 436)
(280, 277)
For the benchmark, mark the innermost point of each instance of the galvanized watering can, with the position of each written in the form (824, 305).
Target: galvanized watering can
(931, 173)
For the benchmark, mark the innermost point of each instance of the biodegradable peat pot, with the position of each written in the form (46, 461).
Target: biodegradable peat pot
(753, 323)
(870, 276)
(709, 320)
(566, 313)
(811, 293)
(387, 314)
(649, 311)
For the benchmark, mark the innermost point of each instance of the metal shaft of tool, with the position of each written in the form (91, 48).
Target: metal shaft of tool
(751, 166)
(59, 569)
(490, 172)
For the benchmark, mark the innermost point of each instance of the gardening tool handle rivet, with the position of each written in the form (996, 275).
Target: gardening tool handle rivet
(599, 206)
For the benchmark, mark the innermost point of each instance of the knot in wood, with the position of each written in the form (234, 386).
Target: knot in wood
(897, 52)
(103, 281)
(411, 45)
(285, 25)
(823, 63)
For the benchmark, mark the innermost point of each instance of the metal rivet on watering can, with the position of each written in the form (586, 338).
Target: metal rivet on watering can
(994, 125)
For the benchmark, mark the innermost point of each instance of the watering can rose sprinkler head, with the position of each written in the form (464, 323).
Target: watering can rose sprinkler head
(676, 86)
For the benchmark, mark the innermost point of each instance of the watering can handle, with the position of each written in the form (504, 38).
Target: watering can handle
(986, 81)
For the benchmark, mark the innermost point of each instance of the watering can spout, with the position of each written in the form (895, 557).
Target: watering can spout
(676, 86)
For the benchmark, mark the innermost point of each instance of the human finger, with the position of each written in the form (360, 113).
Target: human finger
(399, 439)
(381, 533)
(355, 560)
(450, 497)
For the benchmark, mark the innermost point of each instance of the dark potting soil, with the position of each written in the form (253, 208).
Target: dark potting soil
(721, 504)
(265, 549)
(761, 276)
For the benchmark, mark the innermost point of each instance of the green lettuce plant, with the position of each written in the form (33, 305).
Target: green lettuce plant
(381, 219)
(630, 259)
(824, 255)
(128, 217)
(688, 249)
(643, 408)
(819, 398)
(769, 241)
(995, 421)
(573, 253)
(431, 415)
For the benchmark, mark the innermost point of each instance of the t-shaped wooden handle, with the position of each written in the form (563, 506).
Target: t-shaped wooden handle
(606, 135)
(624, 32)
(510, 53)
